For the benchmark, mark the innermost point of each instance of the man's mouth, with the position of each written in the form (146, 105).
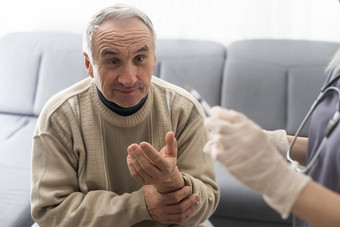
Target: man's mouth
(127, 91)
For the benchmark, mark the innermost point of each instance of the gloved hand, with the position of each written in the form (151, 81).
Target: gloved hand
(279, 140)
(244, 149)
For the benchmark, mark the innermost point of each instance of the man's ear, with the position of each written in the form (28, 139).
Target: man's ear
(88, 65)
(154, 61)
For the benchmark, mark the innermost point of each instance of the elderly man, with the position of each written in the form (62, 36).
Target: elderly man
(121, 148)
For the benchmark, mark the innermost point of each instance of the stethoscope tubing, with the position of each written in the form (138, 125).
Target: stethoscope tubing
(330, 127)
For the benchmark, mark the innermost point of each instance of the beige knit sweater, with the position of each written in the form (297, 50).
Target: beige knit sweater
(79, 171)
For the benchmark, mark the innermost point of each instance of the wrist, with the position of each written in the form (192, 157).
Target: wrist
(175, 182)
(288, 186)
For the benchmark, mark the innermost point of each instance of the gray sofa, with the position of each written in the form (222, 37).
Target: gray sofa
(271, 81)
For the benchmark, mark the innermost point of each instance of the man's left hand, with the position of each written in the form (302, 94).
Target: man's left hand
(170, 208)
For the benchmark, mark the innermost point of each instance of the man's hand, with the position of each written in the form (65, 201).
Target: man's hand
(148, 166)
(170, 208)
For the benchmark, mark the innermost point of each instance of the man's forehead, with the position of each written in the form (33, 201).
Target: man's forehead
(121, 29)
(112, 35)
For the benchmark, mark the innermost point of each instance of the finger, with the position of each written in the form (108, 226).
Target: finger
(218, 126)
(137, 172)
(140, 156)
(179, 214)
(208, 146)
(226, 114)
(177, 196)
(187, 213)
(154, 156)
(184, 205)
(179, 217)
(226, 140)
(134, 173)
(141, 163)
(171, 144)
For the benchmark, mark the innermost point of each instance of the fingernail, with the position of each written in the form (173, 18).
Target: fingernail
(142, 145)
(131, 149)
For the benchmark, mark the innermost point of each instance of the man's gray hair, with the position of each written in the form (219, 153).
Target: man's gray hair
(116, 12)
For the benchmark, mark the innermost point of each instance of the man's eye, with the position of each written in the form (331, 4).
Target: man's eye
(114, 61)
(140, 58)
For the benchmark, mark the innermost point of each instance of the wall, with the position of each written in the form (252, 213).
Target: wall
(220, 20)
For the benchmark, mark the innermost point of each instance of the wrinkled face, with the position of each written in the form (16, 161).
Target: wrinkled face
(123, 61)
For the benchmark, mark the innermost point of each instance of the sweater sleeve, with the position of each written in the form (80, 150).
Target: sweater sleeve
(198, 168)
(56, 197)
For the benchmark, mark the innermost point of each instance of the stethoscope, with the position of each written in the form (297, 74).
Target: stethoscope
(332, 123)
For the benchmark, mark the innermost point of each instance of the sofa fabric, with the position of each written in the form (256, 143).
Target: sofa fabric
(271, 81)
(275, 81)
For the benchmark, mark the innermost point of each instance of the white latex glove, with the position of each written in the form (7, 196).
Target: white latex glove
(279, 139)
(243, 148)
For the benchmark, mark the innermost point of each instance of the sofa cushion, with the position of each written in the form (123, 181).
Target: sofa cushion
(10, 124)
(15, 160)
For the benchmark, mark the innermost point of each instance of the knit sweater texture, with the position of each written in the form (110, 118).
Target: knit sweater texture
(79, 170)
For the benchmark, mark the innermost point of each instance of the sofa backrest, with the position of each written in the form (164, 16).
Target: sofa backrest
(198, 64)
(274, 82)
(36, 65)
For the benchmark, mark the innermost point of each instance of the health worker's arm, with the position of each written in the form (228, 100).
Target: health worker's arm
(299, 151)
(318, 205)
(248, 155)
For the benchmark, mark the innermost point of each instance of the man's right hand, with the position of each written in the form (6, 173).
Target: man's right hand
(148, 166)
(170, 208)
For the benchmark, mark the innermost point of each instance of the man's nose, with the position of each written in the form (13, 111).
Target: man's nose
(128, 76)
